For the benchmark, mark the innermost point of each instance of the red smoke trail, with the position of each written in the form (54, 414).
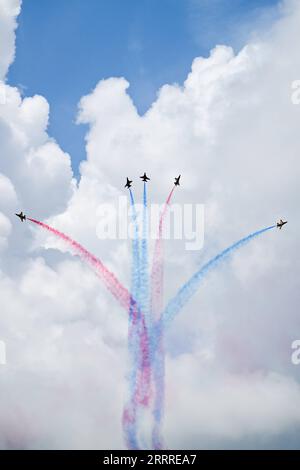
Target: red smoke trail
(112, 283)
(126, 301)
(144, 385)
(129, 420)
(140, 378)
(138, 346)
(143, 390)
(157, 274)
(140, 396)
(157, 280)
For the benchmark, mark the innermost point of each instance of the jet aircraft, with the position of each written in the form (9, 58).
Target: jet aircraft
(128, 183)
(281, 223)
(177, 183)
(145, 178)
(21, 216)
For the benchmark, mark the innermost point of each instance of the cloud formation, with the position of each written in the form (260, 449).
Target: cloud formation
(9, 10)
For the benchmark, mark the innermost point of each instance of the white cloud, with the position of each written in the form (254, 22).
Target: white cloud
(232, 132)
(5, 228)
(9, 9)
(234, 409)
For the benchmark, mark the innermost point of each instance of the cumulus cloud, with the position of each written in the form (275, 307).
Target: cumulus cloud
(249, 409)
(5, 228)
(231, 130)
(9, 9)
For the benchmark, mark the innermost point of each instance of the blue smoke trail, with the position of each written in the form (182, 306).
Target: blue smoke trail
(145, 388)
(138, 340)
(144, 262)
(135, 280)
(130, 425)
(190, 287)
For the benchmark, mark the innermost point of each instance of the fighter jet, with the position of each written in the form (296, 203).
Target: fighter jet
(128, 183)
(21, 216)
(281, 223)
(177, 181)
(145, 178)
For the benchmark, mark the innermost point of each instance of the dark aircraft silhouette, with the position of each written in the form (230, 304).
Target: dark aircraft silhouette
(21, 216)
(281, 223)
(177, 181)
(128, 183)
(145, 178)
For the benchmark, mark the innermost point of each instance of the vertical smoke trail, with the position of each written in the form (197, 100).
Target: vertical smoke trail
(112, 283)
(144, 373)
(145, 331)
(157, 280)
(135, 249)
(144, 263)
(129, 420)
(157, 265)
(138, 334)
(191, 286)
(144, 282)
(144, 384)
(135, 280)
(140, 378)
(130, 411)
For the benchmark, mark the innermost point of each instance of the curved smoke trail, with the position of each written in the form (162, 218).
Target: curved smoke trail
(129, 303)
(121, 294)
(157, 280)
(190, 287)
(139, 322)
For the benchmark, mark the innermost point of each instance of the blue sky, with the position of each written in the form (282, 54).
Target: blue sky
(64, 47)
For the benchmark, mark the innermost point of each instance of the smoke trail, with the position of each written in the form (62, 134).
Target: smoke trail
(157, 265)
(112, 283)
(144, 289)
(190, 287)
(140, 377)
(139, 331)
(144, 303)
(129, 303)
(143, 391)
(130, 410)
(144, 263)
(135, 249)
(144, 383)
(157, 280)
(138, 335)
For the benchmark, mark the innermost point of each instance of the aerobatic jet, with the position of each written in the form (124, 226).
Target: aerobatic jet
(145, 178)
(21, 216)
(281, 223)
(128, 183)
(177, 181)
